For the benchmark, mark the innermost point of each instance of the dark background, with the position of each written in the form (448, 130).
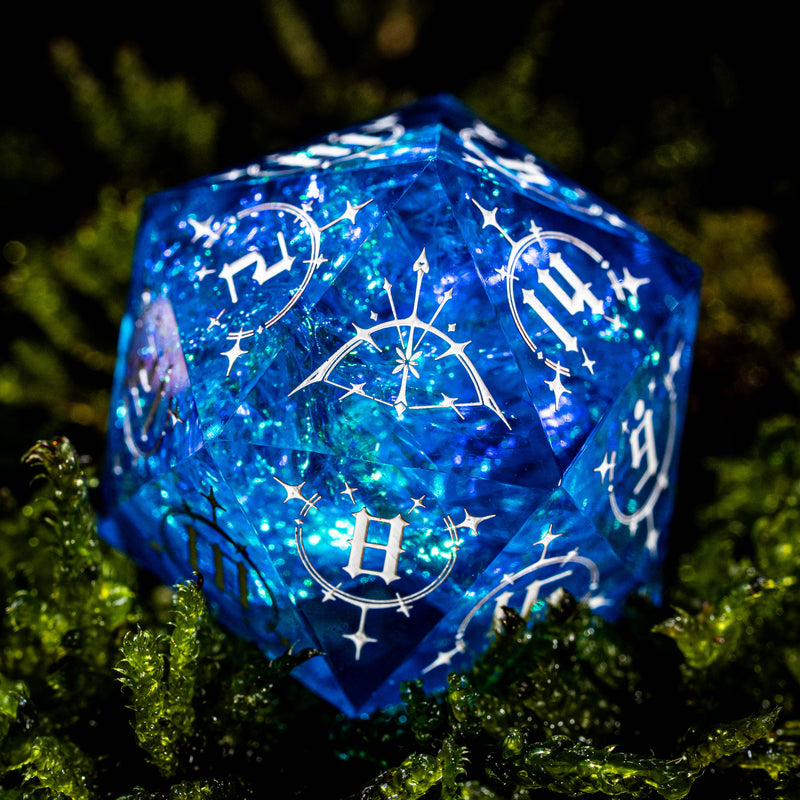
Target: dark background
(681, 114)
(609, 65)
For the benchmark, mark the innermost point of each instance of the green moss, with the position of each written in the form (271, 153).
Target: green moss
(564, 705)
(569, 706)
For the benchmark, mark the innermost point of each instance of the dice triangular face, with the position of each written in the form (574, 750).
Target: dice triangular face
(378, 387)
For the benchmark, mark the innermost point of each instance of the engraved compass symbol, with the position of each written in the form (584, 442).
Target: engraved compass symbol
(367, 143)
(407, 350)
(546, 570)
(480, 137)
(213, 553)
(155, 378)
(544, 272)
(486, 148)
(272, 251)
(638, 469)
(378, 581)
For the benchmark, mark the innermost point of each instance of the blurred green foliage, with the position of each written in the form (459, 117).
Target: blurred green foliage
(654, 140)
(109, 687)
(568, 706)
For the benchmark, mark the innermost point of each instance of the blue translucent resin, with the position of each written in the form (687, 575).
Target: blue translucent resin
(379, 387)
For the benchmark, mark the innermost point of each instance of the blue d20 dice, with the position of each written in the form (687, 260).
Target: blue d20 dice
(379, 387)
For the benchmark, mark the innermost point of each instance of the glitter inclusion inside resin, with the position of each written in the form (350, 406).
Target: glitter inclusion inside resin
(377, 388)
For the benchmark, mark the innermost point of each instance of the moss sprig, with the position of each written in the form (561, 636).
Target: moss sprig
(69, 606)
(162, 683)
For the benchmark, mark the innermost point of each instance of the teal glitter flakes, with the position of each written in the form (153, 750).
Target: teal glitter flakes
(379, 387)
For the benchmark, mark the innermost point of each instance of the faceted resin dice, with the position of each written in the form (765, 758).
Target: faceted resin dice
(379, 387)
